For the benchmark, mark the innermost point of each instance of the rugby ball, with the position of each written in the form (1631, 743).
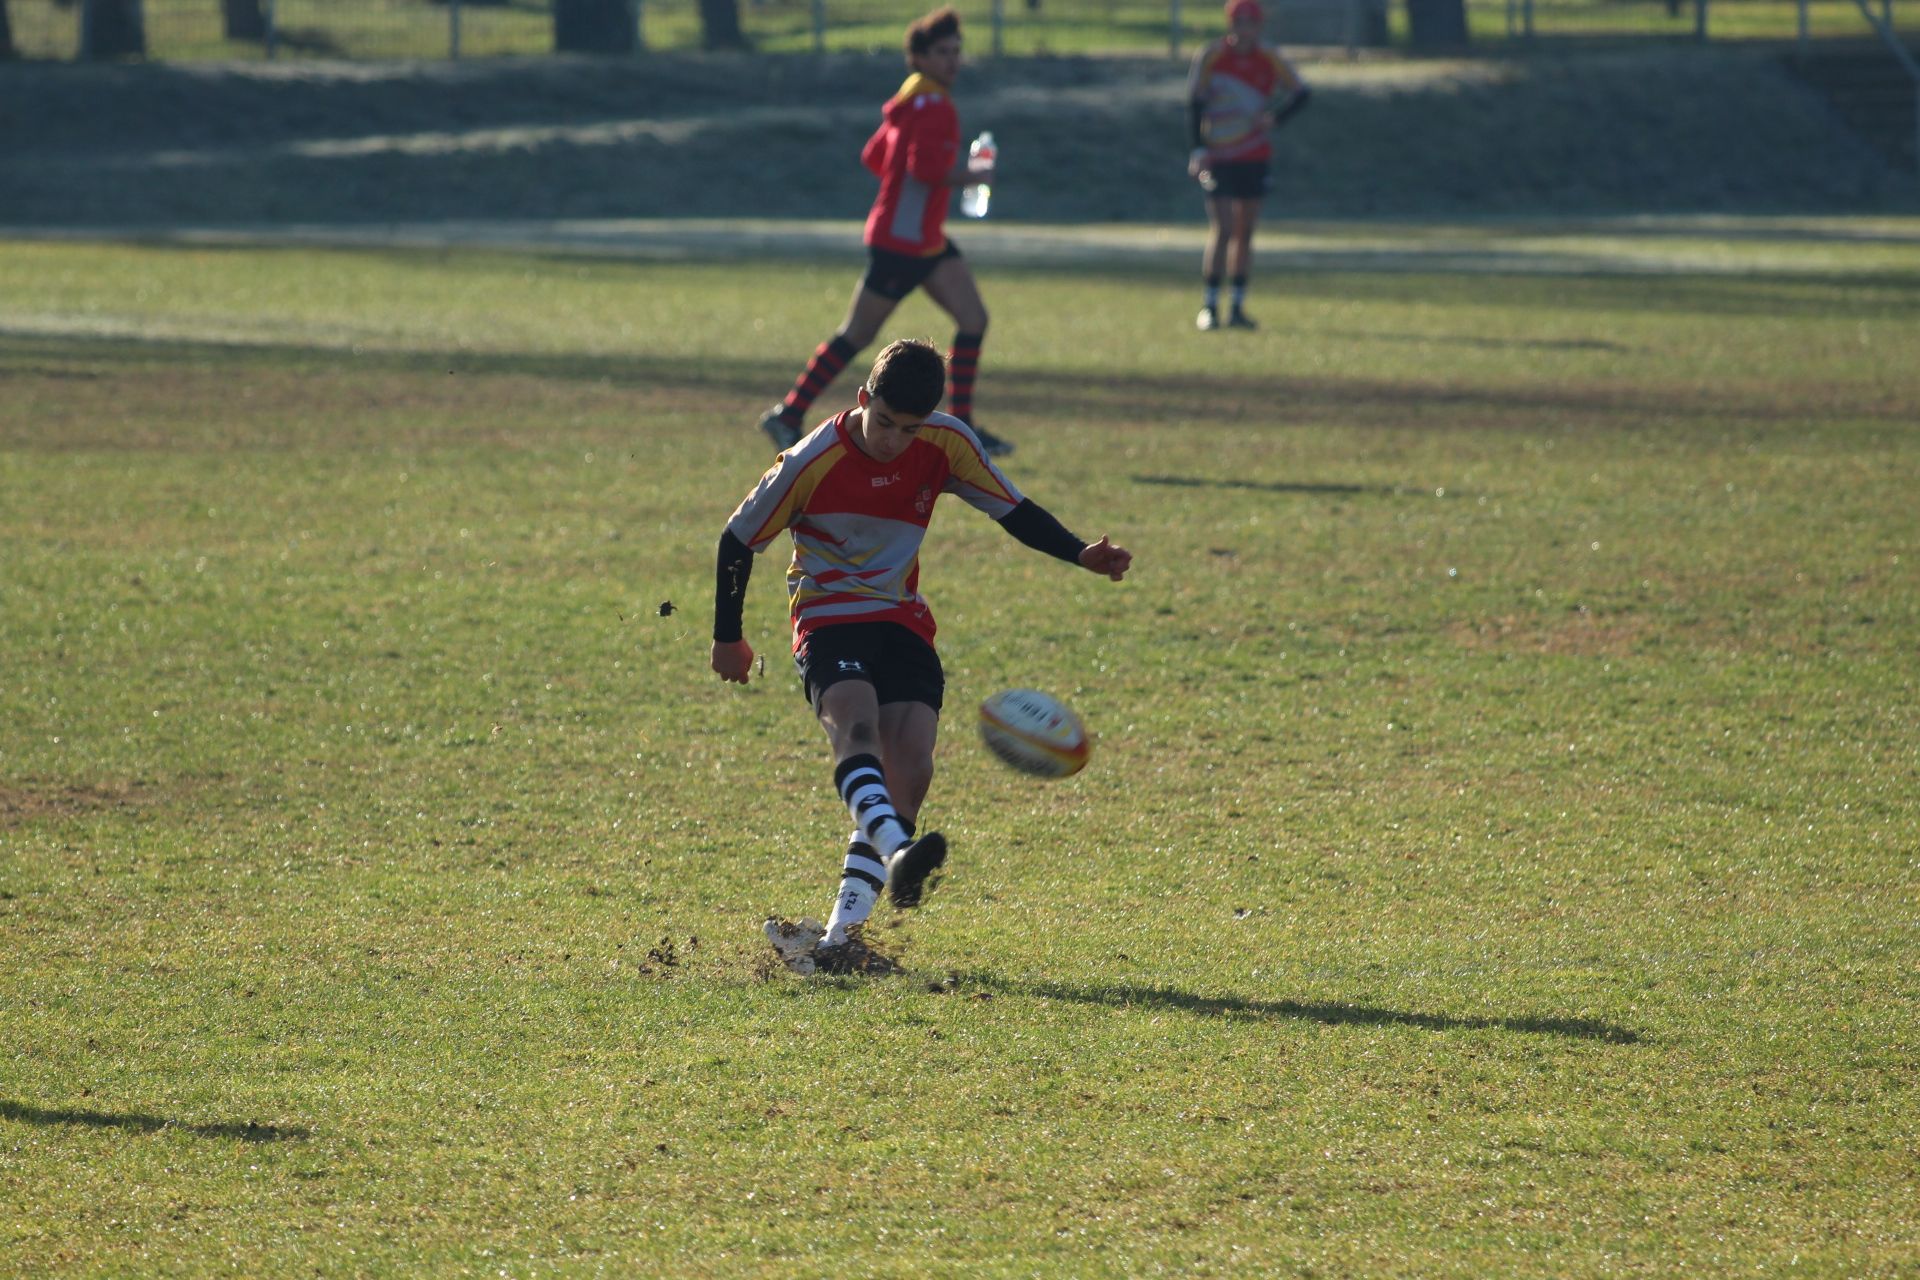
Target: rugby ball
(1034, 733)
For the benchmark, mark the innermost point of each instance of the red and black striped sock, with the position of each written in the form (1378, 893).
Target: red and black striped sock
(828, 360)
(963, 365)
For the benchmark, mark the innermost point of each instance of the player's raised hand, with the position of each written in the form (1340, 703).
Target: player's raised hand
(1104, 557)
(732, 660)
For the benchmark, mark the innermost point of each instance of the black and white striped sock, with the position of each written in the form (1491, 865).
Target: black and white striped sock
(863, 786)
(879, 832)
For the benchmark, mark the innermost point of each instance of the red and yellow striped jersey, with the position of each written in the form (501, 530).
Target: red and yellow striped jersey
(1234, 87)
(857, 523)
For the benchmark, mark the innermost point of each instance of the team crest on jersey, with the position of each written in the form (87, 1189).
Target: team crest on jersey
(923, 500)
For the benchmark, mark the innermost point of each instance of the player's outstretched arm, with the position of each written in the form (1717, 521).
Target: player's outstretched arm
(731, 655)
(1035, 526)
(1104, 557)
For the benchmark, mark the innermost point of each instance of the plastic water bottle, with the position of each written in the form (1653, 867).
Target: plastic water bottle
(975, 197)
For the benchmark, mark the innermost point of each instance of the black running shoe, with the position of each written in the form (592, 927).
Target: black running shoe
(907, 873)
(1240, 320)
(995, 446)
(783, 433)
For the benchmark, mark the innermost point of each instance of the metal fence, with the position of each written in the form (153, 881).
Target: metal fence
(198, 30)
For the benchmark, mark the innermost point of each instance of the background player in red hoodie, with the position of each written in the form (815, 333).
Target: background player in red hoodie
(1238, 91)
(916, 154)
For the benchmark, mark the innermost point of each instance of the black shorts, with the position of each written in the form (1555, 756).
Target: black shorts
(895, 275)
(899, 665)
(1237, 180)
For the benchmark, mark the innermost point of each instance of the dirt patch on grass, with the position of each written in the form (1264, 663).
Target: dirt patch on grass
(25, 802)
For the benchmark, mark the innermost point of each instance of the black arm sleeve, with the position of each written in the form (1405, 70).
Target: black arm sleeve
(735, 566)
(1034, 525)
(1196, 111)
(1294, 104)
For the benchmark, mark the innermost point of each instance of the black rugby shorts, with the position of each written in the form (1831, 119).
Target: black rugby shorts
(899, 665)
(895, 275)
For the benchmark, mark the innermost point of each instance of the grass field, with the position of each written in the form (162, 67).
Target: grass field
(1500, 855)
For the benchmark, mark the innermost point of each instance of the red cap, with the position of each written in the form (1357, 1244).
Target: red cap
(1250, 8)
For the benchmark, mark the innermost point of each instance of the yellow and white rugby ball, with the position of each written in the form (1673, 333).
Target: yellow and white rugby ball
(1034, 733)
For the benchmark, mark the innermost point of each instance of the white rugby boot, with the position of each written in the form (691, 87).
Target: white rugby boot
(795, 942)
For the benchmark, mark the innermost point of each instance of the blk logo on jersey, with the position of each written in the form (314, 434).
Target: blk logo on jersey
(881, 482)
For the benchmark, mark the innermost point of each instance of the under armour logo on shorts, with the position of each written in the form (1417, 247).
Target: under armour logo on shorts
(851, 664)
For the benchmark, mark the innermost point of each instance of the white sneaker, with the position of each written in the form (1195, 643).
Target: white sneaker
(794, 942)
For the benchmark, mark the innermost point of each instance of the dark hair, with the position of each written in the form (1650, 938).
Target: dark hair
(910, 375)
(930, 30)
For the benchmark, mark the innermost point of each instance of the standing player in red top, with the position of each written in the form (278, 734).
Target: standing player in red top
(856, 496)
(916, 155)
(1238, 91)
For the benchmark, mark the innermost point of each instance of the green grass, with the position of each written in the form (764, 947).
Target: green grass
(1499, 855)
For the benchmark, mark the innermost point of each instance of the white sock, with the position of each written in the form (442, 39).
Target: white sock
(861, 879)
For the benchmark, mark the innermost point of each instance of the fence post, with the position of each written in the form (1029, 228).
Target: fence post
(273, 31)
(453, 30)
(1800, 30)
(1526, 15)
(819, 26)
(1173, 29)
(1700, 20)
(999, 27)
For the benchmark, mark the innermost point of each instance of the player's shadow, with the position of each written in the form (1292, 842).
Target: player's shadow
(1268, 486)
(1322, 1012)
(244, 1131)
